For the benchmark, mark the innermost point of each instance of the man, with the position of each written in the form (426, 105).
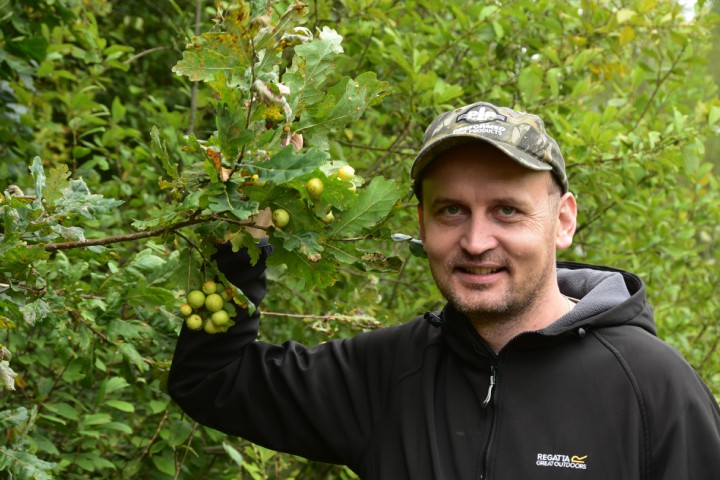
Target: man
(533, 370)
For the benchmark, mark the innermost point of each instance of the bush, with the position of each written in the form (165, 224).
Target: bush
(131, 142)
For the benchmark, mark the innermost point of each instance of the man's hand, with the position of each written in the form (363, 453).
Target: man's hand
(262, 219)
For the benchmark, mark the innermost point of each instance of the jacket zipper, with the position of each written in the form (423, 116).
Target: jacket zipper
(488, 398)
(490, 401)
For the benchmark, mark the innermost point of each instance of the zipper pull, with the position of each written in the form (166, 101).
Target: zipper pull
(488, 398)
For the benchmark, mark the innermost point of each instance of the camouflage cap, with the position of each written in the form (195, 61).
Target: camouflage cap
(521, 136)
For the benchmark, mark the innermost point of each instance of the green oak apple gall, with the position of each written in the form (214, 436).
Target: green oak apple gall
(210, 327)
(209, 287)
(196, 299)
(280, 217)
(214, 302)
(220, 318)
(194, 322)
(315, 187)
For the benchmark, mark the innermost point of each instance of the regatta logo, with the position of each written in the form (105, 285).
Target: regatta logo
(561, 461)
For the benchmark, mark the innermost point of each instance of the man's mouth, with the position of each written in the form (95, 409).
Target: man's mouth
(479, 271)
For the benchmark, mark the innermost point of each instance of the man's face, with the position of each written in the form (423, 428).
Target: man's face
(490, 228)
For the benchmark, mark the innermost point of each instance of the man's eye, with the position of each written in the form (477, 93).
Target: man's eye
(452, 210)
(507, 211)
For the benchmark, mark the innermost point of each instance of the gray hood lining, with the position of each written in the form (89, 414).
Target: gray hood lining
(597, 291)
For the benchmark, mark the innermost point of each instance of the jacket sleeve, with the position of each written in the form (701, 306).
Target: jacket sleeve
(684, 423)
(315, 402)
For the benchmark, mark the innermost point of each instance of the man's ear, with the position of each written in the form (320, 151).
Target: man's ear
(421, 225)
(567, 221)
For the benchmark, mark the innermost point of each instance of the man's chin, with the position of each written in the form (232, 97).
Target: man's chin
(477, 307)
(475, 312)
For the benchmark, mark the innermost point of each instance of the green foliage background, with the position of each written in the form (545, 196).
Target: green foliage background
(107, 134)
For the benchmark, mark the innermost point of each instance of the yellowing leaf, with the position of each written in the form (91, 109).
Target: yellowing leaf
(714, 115)
(625, 15)
(56, 181)
(627, 35)
(579, 41)
(647, 5)
(212, 54)
(215, 158)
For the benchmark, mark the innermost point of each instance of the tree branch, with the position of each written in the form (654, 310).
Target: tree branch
(152, 440)
(660, 81)
(710, 353)
(377, 149)
(195, 85)
(76, 316)
(179, 464)
(53, 247)
(600, 212)
(143, 53)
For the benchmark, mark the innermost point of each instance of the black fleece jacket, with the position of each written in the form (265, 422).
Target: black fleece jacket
(595, 396)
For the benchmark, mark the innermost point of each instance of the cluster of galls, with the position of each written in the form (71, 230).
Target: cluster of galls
(208, 309)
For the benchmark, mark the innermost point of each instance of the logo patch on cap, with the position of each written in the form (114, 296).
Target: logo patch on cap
(480, 114)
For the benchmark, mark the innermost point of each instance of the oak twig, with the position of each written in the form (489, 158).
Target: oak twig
(53, 247)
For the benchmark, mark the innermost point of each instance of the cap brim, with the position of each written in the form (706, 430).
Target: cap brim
(432, 150)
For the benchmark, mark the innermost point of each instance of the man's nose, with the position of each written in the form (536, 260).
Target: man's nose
(479, 236)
